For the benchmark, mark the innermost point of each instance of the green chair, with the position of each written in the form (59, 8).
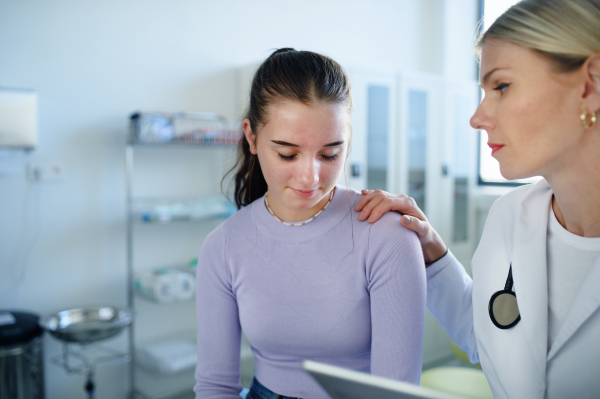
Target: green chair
(468, 381)
(463, 381)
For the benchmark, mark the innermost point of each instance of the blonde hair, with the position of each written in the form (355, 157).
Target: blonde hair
(566, 32)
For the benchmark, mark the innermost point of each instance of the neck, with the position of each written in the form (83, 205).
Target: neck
(576, 187)
(291, 215)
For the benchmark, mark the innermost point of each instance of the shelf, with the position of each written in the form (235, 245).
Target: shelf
(183, 128)
(153, 211)
(161, 140)
(152, 385)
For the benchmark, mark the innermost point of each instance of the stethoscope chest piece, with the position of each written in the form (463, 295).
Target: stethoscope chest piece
(503, 307)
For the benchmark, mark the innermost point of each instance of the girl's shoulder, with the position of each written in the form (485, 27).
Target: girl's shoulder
(239, 230)
(387, 227)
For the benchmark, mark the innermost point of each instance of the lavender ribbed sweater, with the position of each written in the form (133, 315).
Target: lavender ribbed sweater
(336, 290)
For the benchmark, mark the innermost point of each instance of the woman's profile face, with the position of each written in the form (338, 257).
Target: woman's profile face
(301, 150)
(530, 113)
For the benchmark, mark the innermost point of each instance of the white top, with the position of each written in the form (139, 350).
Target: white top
(569, 257)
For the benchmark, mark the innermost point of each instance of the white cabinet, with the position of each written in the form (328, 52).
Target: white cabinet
(411, 135)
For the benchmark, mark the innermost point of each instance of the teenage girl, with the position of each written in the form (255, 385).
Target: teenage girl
(294, 269)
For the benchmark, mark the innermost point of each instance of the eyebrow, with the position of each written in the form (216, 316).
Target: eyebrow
(334, 144)
(487, 75)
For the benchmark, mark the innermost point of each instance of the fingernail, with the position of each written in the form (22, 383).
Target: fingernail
(406, 219)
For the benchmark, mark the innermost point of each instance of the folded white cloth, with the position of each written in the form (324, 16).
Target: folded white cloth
(167, 357)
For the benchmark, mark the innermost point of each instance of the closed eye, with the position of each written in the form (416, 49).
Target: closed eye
(502, 87)
(329, 158)
(286, 158)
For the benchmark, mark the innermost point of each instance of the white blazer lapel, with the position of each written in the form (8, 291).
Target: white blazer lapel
(586, 302)
(529, 270)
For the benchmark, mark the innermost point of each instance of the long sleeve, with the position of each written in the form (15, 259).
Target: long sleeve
(219, 332)
(450, 301)
(396, 276)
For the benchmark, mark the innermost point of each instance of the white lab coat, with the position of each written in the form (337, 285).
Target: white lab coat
(516, 361)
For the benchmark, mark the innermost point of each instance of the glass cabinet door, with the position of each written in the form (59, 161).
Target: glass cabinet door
(438, 153)
(417, 146)
(462, 136)
(461, 99)
(372, 162)
(377, 137)
(419, 130)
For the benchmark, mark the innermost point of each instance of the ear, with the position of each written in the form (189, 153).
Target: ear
(250, 137)
(592, 85)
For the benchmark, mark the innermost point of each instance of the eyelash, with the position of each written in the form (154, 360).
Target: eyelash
(288, 158)
(331, 158)
(501, 87)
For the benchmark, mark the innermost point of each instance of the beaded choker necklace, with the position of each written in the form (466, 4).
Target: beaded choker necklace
(295, 224)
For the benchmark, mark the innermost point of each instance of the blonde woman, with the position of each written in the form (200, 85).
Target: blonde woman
(531, 313)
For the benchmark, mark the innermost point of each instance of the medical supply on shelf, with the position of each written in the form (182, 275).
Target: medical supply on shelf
(189, 267)
(167, 357)
(166, 285)
(197, 128)
(182, 209)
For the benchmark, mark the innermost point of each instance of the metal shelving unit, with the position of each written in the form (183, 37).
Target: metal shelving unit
(159, 130)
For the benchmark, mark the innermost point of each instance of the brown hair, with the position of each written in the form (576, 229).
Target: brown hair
(287, 74)
(566, 32)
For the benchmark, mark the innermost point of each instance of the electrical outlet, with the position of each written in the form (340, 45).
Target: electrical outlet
(49, 171)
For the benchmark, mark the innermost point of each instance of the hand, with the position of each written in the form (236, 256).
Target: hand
(375, 203)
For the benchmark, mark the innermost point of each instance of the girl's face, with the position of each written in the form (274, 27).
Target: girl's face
(301, 150)
(530, 113)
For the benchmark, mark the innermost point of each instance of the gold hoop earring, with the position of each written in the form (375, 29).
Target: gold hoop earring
(584, 121)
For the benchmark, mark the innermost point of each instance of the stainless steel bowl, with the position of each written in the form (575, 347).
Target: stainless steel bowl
(87, 325)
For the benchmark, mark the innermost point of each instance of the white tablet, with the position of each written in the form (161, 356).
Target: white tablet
(342, 383)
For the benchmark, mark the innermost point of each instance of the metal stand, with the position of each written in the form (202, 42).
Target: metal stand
(86, 359)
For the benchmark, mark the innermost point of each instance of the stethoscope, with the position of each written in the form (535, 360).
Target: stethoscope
(503, 307)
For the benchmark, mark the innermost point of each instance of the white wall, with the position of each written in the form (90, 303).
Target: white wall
(62, 244)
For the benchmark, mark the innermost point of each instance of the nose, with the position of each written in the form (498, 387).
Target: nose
(308, 174)
(481, 119)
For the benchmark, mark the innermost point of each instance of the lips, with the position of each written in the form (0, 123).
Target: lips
(495, 147)
(305, 193)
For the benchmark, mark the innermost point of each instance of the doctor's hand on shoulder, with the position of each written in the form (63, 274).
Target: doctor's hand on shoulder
(375, 203)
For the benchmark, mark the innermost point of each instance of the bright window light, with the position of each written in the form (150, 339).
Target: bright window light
(489, 169)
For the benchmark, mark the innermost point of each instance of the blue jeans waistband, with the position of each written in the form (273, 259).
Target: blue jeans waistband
(259, 391)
